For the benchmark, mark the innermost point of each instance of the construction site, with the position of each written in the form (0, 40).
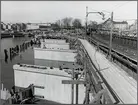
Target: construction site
(70, 60)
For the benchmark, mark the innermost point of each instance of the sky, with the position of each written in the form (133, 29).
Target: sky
(51, 11)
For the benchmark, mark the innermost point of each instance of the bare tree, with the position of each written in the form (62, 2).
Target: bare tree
(92, 24)
(58, 22)
(77, 23)
(67, 22)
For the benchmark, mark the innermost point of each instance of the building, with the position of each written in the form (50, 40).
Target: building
(9, 28)
(121, 26)
(32, 26)
(133, 29)
(3, 26)
(118, 27)
(106, 25)
(45, 26)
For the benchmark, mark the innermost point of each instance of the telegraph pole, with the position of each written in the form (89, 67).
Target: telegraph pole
(111, 32)
(86, 21)
(85, 63)
(72, 100)
(77, 33)
(136, 31)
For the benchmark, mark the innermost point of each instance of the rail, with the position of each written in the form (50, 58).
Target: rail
(123, 59)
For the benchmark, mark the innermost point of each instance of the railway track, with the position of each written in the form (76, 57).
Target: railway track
(119, 57)
(124, 60)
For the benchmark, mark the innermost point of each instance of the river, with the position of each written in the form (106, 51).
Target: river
(7, 74)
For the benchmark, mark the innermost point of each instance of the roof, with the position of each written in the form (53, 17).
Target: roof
(123, 22)
(115, 22)
(107, 20)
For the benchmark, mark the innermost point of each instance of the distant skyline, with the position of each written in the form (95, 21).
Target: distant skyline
(50, 11)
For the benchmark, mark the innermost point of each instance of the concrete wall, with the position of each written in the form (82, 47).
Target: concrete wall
(62, 55)
(53, 90)
(57, 64)
(54, 41)
(54, 45)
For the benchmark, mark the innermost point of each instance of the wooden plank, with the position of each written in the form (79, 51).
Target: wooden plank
(73, 82)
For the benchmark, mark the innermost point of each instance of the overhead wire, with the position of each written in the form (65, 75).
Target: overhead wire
(116, 7)
(120, 5)
(126, 19)
(94, 10)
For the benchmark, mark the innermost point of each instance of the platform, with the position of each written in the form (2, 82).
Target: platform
(123, 85)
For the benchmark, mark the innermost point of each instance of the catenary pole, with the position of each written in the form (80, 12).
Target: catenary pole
(111, 35)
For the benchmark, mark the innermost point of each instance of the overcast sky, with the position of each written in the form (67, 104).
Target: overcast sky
(50, 11)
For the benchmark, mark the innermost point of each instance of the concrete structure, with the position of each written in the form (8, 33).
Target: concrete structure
(53, 63)
(124, 86)
(52, 41)
(50, 79)
(55, 46)
(52, 54)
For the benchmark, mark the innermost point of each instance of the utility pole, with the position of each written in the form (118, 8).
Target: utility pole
(72, 101)
(77, 89)
(111, 32)
(77, 33)
(86, 21)
(85, 63)
(77, 74)
(136, 30)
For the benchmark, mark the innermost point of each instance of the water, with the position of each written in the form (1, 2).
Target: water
(7, 74)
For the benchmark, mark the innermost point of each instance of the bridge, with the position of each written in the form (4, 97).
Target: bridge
(119, 84)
